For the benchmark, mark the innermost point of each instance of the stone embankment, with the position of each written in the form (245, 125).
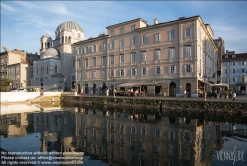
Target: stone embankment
(188, 104)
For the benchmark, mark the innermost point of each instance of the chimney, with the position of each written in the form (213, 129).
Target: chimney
(156, 21)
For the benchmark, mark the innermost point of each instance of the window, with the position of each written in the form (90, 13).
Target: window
(172, 69)
(103, 74)
(157, 37)
(112, 32)
(133, 71)
(78, 51)
(79, 75)
(226, 80)
(94, 62)
(121, 30)
(171, 135)
(86, 75)
(242, 70)
(143, 131)
(187, 51)
(187, 136)
(121, 43)
(121, 72)
(55, 69)
(143, 54)
(133, 27)
(188, 68)
(94, 48)
(111, 73)
(243, 63)
(233, 63)
(133, 57)
(121, 58)
(133, 129)
(157, 54)
(226, 56)
(187, 32)
(157, 132)
(94, 74)
(103, 47)
(42, 69)
(233, 70)
(112, 60)
(47, 69)
(37, 71)
(86, 62)
(157, 70)
(133, 41)
(144, 71)
(233, 79)
(73, 63)
(234, 56)
(112, 45)
(171, 52)
(86, 50)
(172, 35)
(104, 60)
(144, 40)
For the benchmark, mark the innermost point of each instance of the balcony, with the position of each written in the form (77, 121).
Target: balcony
(188, 58)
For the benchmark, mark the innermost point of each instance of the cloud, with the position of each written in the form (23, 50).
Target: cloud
(7, 7)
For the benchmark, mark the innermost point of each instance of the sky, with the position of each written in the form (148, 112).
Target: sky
(24, 22)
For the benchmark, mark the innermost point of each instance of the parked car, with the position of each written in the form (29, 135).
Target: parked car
(13, 90)
(22, 90)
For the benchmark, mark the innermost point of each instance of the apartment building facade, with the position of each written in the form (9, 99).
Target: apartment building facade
(234, 71)
(17, 65)
(173, 56)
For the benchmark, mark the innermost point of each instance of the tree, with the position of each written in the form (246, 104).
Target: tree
(5, 84)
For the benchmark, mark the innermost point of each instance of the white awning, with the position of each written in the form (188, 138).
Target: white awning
(131, 84)
(219, 85)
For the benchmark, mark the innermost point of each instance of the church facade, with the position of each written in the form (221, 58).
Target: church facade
(55, 68)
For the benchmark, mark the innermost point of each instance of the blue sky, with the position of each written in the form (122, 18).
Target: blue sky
(24, 22)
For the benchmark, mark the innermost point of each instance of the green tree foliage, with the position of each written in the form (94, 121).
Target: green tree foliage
(5, 84)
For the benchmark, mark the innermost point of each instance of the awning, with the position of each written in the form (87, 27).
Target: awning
(131, 84)
(220, 85)
(152, 84)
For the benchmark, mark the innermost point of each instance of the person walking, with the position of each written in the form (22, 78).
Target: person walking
(234, 95)
(185, 93)
(107, 92)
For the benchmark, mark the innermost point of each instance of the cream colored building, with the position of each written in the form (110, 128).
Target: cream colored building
(168, 57)
(17, 65)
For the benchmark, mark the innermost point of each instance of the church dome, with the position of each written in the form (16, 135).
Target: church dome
(69, 26)
(45, 36)
(50, 52)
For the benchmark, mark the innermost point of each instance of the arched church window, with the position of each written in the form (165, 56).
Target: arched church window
(69, 40)
(62, 40)
(66, 41)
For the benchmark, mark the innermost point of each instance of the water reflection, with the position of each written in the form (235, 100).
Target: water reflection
(119, 138)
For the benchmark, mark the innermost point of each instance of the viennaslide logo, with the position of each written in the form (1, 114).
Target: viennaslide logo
(230, 155)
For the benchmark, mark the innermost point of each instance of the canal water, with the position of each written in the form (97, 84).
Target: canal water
(95, 137)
